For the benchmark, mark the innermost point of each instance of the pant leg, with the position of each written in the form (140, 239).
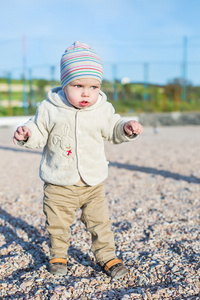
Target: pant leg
(60, 204)
(95, 215)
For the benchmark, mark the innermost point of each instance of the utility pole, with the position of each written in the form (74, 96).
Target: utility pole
(31, 104)
(184, 70)
(146, 75)
(25, 106)
(114, 69)
(9, 93)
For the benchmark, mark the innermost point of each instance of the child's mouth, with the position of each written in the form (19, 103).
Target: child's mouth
(83, 103)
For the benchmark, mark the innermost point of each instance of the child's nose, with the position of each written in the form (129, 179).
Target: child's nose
(85, 92)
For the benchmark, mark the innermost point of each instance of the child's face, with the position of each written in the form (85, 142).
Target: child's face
(82, 92)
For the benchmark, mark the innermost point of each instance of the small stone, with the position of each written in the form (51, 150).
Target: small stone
(39, 279)
(144, 295)
(59, 289)
(148, 295)
(125, 297)
(54, 297)
(93, 282)
(26, 284)
(108, 280)
(131, 283)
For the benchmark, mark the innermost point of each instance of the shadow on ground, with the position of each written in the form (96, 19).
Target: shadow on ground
(153, 171)
(148, 170)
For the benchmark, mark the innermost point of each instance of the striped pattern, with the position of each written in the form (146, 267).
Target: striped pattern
(80, 61)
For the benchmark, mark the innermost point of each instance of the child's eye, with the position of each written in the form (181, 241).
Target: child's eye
(94, 87)
(78, 85)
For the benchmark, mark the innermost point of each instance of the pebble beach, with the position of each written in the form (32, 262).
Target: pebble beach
(153, 190)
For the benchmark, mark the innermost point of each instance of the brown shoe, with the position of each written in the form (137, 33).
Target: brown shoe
(58, 266)
(115, 268)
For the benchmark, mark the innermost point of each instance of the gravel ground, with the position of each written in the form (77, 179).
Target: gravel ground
(153, 191)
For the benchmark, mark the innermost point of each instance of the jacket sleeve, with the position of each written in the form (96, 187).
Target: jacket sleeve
(114, 132)
(38, 126)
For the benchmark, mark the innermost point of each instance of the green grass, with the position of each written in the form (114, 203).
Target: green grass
(123, 107)
(14, 95)
(130, 97)
(130, 106)
(16, 111)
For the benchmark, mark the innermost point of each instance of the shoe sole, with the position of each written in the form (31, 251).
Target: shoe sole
(118, 276)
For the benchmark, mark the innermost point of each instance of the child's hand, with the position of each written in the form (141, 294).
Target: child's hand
(21, 134)
(133, 127)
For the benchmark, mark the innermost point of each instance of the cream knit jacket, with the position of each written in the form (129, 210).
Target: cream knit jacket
(73, 139)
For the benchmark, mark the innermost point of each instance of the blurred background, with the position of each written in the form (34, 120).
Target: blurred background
(150, 51)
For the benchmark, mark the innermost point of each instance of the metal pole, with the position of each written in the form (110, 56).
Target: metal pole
(146, 73)
(9, 89)
(184, 71)
(30, 89)
(25, 106)
(114, 69)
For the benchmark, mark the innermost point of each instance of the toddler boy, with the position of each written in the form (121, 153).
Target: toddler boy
(71, 125)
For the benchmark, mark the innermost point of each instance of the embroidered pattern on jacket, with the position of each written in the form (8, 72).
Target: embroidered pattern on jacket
(64, 142)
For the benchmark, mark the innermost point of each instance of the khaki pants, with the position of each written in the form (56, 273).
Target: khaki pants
(60, 205)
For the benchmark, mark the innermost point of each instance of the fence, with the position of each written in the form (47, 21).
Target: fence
(18, 86)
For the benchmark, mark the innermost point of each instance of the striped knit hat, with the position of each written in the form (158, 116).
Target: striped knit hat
(80, 61)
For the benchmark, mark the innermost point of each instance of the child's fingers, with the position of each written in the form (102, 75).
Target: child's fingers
(129, 130)
(19, 130)
(21, 134)
(26, 131)
(133, 127)
(15, 141)
(18, 136)
(137, 128)
(29, 133)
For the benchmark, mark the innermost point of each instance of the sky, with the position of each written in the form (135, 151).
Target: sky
(137, 40)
